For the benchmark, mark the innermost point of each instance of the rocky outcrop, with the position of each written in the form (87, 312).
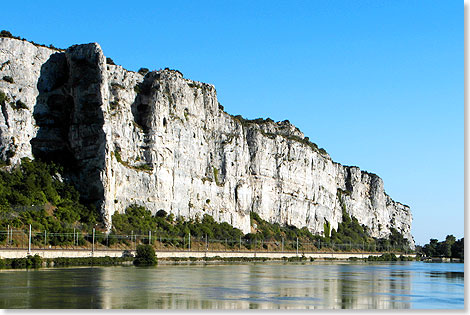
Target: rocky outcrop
(164, 142)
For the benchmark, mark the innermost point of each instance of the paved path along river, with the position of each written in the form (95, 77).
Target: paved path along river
(54, 253)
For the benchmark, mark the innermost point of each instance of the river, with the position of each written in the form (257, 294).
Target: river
(312, 285)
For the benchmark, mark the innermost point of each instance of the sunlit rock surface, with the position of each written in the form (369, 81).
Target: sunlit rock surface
(163, 141)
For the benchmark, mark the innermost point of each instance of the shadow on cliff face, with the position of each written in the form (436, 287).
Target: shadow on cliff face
(142, 110)
(70, 120)
(52, 114)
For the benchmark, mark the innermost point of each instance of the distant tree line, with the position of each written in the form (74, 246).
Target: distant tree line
(450, 248)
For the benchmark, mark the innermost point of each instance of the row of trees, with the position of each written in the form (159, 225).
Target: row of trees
(450, 248)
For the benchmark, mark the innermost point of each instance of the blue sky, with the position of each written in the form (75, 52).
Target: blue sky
(379, 84)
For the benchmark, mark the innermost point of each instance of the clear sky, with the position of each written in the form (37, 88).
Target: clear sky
(378, 84)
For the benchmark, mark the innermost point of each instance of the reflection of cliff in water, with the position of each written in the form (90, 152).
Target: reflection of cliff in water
(447, 274)
(317, 285)
(253, 286)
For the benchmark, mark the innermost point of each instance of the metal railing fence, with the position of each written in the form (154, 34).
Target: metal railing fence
(80, 240)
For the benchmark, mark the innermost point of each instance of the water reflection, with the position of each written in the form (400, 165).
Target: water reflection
(237, 286)
(447, 274)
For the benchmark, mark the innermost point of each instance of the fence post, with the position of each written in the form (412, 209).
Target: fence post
(8, 235)
(207, 244)
(45, 239)
(189, 241)
(93, 244)
(29, 240)
(150, 237)
(240, 243)
(282, 245)
(255, 246)
(297, 247)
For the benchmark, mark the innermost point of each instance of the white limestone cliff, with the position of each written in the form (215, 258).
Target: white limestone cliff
(163, 141)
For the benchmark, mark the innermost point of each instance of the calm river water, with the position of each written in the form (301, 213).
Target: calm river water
(323, 285)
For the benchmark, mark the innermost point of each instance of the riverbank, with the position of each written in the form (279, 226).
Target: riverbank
(53, 258)
(185, 254)
(37, 262)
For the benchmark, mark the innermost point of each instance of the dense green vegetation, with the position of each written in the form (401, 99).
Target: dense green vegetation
(139, 220)
(33, 194)
(28, 262)
(349, 235)
(389, 257)
(145, 256)
(36, 261)
(276, 232)
(450, 248)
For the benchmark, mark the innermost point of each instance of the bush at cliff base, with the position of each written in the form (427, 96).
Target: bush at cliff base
(145, 256)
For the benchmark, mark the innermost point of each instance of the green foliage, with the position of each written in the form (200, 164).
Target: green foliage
(276, 232)
(32, 188)
(139, 220)
(8, 79)
(36, 261)
(117, 154)
(389, 257)
(143, 167)
(3, 98)
(117, 86)
(216, 175)
(326, 229)
(19, 105)
(349, 231)
(7, 34)
(113, 105)
(28, 262)
(145, 256)
(384, 257)
(447, 248)
(161, 213)
(457, 249)
(79, 261)
(143, 71)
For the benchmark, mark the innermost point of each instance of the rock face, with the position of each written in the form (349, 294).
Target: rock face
(164, 142)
